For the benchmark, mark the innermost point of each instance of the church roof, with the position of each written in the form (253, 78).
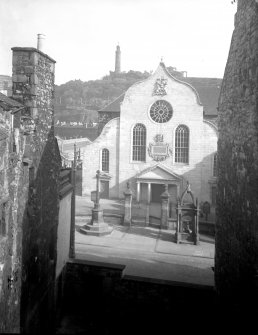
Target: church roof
(208, 90)
(8, 103)
(114, 106)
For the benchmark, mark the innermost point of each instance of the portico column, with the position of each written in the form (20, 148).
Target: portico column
(128, 206)
(138, 192)
(149, 193)
(164, 208)
(177, 190)
(147, 219)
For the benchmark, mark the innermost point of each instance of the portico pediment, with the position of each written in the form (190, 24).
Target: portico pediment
(159, 173)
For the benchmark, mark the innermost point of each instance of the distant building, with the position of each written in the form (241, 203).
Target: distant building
(6, 85)
(67, 132)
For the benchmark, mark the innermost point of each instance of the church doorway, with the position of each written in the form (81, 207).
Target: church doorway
(156, 191)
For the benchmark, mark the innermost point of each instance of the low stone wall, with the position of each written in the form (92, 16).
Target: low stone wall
(64, 221)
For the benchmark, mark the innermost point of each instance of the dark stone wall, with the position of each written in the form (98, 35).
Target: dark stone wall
(237, 198)
(102, 301)
(32, 182)
(98, 299)
(10, 239)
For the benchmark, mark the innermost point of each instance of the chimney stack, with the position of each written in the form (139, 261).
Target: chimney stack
(41, 42)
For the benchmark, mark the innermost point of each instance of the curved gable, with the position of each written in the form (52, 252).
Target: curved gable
(181, 82)
(147, 86)
(107, 131)
(212, 125)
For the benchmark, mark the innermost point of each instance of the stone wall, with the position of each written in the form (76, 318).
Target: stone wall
(33, 194)
(64, 226)
(237, 198)
(92, 158)
(10, 238)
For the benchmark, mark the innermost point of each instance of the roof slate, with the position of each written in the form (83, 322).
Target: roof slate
(6, 101)
(114, 106)
(208, 90)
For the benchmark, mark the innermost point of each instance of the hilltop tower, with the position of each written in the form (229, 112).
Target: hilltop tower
(118, 60)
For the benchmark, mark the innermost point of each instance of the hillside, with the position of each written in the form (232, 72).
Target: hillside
(78, 101)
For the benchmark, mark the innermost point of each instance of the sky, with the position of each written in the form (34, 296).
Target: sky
(82, 35)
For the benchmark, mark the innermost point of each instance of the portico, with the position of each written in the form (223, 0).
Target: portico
(152, 181)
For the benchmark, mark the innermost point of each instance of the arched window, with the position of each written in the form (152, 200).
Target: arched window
(182, 145)
(215, 165)
(105, 160)
(139, 143)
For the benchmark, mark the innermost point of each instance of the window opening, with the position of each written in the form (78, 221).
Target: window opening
(139, 143)
(182, 145)
(161, 111)
(105, 160)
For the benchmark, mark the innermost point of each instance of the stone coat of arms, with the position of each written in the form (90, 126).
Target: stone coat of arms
(159, 87)
(159, 150)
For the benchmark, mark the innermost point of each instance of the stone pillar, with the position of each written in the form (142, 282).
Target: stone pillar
(177, 190)
(128, 206)
(138, 192)
(97, 226)
(147, 219)
(164, 208)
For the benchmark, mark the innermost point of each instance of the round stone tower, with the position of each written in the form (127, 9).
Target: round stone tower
(118, 60)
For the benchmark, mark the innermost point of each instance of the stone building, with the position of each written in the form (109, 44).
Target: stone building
(154, 134)
(236, 261)
(29, 195)
(6, 85)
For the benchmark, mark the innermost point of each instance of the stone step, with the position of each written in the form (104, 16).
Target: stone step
(138, 222)
(155, 225)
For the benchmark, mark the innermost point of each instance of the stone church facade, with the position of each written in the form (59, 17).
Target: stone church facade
(159, 136)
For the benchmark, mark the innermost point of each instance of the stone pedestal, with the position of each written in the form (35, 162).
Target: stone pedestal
(128, 206)
(164, 208)
(97, 226)
(147, 219)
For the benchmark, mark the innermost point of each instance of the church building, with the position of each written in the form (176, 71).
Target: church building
(155, 134)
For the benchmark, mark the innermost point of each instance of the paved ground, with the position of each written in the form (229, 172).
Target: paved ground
(148, 253)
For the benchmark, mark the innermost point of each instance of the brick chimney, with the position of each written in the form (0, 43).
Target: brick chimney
(41, 42)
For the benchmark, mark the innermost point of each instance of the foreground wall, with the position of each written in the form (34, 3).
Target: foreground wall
(237, 199)
(32, 188)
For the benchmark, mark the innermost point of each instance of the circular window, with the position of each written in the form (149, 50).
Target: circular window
(161, 111)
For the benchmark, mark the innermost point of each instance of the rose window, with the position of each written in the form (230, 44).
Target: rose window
(161, 111)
